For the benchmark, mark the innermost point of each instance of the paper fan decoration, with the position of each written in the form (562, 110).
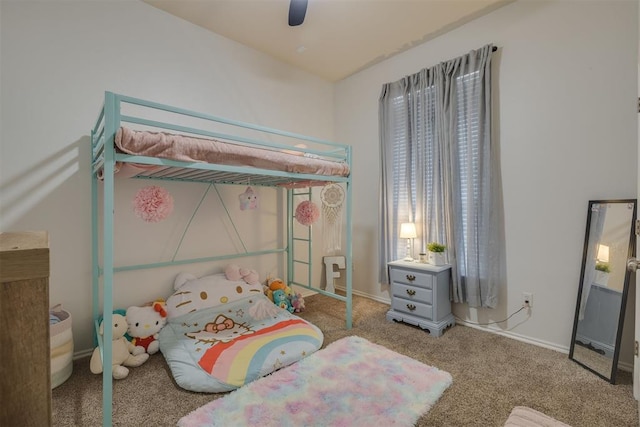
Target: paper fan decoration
(332, 197)
(152, 203)
(307, 213)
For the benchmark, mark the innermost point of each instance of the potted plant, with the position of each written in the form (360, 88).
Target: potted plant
(602, 273)
(436, 253)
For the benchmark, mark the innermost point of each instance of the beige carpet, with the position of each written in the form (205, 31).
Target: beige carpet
(491, 376)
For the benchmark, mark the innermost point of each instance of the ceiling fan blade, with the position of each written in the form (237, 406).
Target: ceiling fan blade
(297, 11)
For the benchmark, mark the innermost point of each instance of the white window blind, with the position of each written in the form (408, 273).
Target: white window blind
(468, 158)
(415, 157)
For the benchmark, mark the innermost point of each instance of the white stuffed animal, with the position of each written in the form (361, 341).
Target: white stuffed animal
(144, 324)
(122, 348)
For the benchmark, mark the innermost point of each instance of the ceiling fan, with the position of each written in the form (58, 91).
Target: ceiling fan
(297, 11)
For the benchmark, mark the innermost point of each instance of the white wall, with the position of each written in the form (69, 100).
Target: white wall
(58, 58)
(565, 102)
(565, 78)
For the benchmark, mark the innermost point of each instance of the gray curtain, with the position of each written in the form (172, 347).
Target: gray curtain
(438, 170)
(596, 225)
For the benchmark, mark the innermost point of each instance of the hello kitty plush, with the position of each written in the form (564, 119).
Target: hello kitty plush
(144, 324)
(196, 293)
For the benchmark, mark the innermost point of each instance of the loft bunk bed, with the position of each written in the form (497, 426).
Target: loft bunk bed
(139, 139)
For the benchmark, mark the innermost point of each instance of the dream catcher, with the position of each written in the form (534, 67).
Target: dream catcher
(332, 197)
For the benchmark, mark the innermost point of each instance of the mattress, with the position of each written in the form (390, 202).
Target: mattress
(221, 348)
(192, 149)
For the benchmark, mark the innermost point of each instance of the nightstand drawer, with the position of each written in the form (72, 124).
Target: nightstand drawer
(413, 278)
(413, 293)
(412, 307)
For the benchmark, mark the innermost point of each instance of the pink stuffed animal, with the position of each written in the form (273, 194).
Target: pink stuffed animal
(297, 302)
(234, 273)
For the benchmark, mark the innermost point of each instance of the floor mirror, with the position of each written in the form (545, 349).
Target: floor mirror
(604, 285)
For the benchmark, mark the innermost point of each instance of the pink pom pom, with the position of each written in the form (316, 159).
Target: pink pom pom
(307, 213)
(152, 204)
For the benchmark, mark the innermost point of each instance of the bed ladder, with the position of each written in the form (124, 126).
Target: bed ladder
(292, 259)
(292, 196)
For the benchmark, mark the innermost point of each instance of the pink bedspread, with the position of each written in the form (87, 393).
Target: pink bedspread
(191, 149)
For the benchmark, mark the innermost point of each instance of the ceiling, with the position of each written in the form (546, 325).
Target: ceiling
(338, 37)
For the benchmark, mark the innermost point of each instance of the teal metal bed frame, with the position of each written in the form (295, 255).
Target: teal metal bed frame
(104, 158)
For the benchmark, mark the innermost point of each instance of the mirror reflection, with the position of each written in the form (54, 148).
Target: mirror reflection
(604, 281)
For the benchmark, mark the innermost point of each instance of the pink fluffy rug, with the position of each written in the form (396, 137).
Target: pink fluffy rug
(352, 382)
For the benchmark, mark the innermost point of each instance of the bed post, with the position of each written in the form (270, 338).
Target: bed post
(289, 235)
(349, 255)
(95, 273)
(111, 118)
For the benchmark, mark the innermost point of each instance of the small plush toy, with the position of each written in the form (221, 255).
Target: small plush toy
(248, 199)
(275, 284)
(144, 324)
(234, 272)
(297, 302)
(121, 349)
(282, 301)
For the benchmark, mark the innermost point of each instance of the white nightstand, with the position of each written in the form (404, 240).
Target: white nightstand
(420, 295)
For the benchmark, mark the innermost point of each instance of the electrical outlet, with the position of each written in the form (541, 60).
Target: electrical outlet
(527, 299)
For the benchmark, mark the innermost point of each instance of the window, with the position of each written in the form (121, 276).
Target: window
(414, 147)
(436, 157)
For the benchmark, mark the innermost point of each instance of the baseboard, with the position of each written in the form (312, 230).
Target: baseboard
(624, 366)
(306, 292)
(528, 340)
(82, 354)
(366, 295)
(513, 335)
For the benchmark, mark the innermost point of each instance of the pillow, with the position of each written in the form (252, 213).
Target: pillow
(192, 293)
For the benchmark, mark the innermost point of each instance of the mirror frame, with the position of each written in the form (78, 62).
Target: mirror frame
(630, 253)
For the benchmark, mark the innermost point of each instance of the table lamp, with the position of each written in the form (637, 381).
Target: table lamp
(603, 253)
(408, 231)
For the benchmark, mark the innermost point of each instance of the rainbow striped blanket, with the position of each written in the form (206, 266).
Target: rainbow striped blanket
(221, 348)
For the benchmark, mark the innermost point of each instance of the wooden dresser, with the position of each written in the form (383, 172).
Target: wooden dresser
(25, 367)
(420, 295)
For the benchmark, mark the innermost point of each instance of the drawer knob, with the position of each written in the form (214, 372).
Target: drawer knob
(411, 277)
(411, 307)
(411, 292)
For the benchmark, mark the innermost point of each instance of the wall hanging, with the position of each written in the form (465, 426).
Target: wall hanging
(152, 203)
(332, 197)
(307, 213)
(248, 199)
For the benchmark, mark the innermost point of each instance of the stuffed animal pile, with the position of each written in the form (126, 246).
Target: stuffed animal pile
(143, 323)
(283, 296)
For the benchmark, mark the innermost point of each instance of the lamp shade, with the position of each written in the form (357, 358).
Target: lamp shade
(603, 253)
(408, 230)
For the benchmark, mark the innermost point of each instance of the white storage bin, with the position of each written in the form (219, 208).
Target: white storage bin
(61, 347)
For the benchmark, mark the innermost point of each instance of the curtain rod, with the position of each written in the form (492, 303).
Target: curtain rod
(494, 48)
